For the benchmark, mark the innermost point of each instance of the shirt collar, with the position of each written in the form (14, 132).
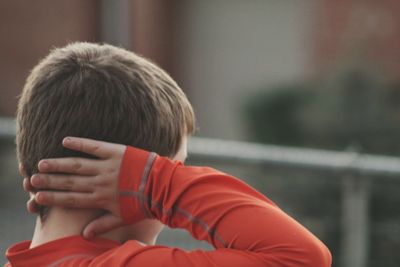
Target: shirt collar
(21, 255)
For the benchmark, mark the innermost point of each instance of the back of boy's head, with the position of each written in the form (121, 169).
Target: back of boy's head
(100, 92)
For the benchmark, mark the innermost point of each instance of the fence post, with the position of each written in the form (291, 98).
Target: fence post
(355, 220)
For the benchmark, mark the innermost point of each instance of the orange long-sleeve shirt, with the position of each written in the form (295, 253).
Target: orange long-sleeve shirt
(245, 228)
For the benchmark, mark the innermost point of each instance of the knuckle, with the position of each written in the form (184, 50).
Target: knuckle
(94, 148)
(69, 182)
(76, 164)
(110, 171)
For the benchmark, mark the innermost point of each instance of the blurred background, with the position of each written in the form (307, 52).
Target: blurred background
(317, 74)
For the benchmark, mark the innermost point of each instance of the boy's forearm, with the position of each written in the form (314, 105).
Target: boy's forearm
(215, 207)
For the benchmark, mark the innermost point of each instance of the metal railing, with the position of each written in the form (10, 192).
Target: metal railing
(341, 163)
(355, 169)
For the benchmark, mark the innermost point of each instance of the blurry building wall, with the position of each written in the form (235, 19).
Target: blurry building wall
(231, 48)
(155, 29)
(362, 30)
(28, 29)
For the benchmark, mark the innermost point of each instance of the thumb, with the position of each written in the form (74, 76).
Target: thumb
(101, 225)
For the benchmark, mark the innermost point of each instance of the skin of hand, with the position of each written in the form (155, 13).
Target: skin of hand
(84, 183)
(31, 204)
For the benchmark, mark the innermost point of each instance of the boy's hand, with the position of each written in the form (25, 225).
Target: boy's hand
(83, 183)
(31, 205)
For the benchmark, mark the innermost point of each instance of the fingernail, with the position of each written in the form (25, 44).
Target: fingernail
(40, 198)
(67, 140)
(36, 180)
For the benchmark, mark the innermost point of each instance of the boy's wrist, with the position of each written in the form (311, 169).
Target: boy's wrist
(132, 182)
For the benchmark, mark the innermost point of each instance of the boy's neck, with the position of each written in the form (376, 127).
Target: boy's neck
(61, 223)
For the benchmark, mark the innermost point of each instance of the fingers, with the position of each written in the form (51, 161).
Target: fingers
(67, 199)
(63, 182)
(96, 148)
(81, 166)
(27, 186)
(101, 225)
(31, 206)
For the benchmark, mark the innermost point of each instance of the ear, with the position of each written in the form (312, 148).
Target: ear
(21, 169)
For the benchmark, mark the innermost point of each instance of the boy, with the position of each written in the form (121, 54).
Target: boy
(119, 196)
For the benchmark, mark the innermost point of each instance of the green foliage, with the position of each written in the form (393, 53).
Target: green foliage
(355, 108)
(273, 115)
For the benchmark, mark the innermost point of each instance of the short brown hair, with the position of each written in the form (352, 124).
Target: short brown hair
(101, 92)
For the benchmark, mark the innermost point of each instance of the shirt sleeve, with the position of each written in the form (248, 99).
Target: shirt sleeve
(244, 226)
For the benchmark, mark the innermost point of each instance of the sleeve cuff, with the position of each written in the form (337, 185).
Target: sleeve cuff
(133, 174)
